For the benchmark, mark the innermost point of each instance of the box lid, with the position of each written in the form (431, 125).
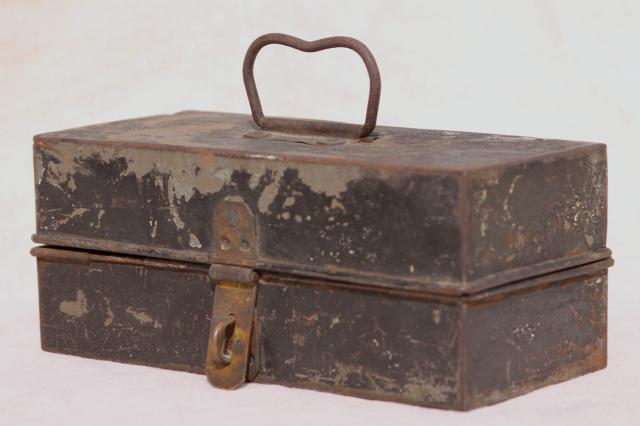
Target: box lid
(424, 210)
(437, 211)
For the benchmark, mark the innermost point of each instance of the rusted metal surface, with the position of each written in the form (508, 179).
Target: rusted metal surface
(324, 128)
(232, 317)
(358, 343)
(535, 338)
(432, 350)
(123, 309)
(234, 232)
(448, 212)
(436, 268)
(238, 274)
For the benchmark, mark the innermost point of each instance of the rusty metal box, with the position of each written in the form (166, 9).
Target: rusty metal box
(436, 268)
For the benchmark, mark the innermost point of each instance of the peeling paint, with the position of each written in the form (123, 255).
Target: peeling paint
(288, 202)
(154, 228)
(436, 314)
(298, 339)
(194, 242)
(334, 321)
(208, 175)
(109, 319)
(143, 318)
(38, 167)
(505, 204)
(175, 215)
(268, 195)
(589, 240)
(75, 308)
(101, 213)
(483, 228)
(71, 183)
(329, 180)
(335, 204)
(77, 212)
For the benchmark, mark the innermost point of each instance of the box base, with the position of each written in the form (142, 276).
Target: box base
(445, 352)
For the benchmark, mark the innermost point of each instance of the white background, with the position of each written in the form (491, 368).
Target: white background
(564, 69)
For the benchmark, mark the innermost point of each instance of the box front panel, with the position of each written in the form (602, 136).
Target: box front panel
(125, 313)
(366, 344)
(330, 338)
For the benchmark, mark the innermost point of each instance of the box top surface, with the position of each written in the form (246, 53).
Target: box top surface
(387, 147)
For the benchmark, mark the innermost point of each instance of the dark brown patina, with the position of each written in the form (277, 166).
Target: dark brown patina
(436, 268)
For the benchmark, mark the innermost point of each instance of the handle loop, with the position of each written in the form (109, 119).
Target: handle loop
(289, 125)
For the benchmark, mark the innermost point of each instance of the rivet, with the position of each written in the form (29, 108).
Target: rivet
(225, 244)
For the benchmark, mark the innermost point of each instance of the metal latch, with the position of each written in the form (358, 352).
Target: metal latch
(229, 344)
(234, 299)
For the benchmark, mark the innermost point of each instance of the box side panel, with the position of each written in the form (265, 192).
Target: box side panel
(396, 228)
(358, 343)
(125, 313)
(524, 341)
(536, 212)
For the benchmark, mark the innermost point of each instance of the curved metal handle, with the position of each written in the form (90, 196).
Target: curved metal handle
(289, 125)
(222, 330)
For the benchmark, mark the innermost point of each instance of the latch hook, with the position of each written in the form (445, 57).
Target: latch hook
(222, 330)
(229, 345)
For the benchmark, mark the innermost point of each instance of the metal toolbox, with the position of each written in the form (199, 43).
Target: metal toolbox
(436, 268)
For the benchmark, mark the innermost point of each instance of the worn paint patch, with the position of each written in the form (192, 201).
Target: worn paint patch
(589, 239)
(143, 318)
(109, 319)
(423, 391)
(38, 167)
(77, 212)
(328, 180)
(321, 179)
(178, 177)
(335, 204)
(75, 308)
(194, 242)
(437, 315)
(298, 339)
(268, 195)
(288, 202)
(175, 216)
(180, 302)
(101, 213)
